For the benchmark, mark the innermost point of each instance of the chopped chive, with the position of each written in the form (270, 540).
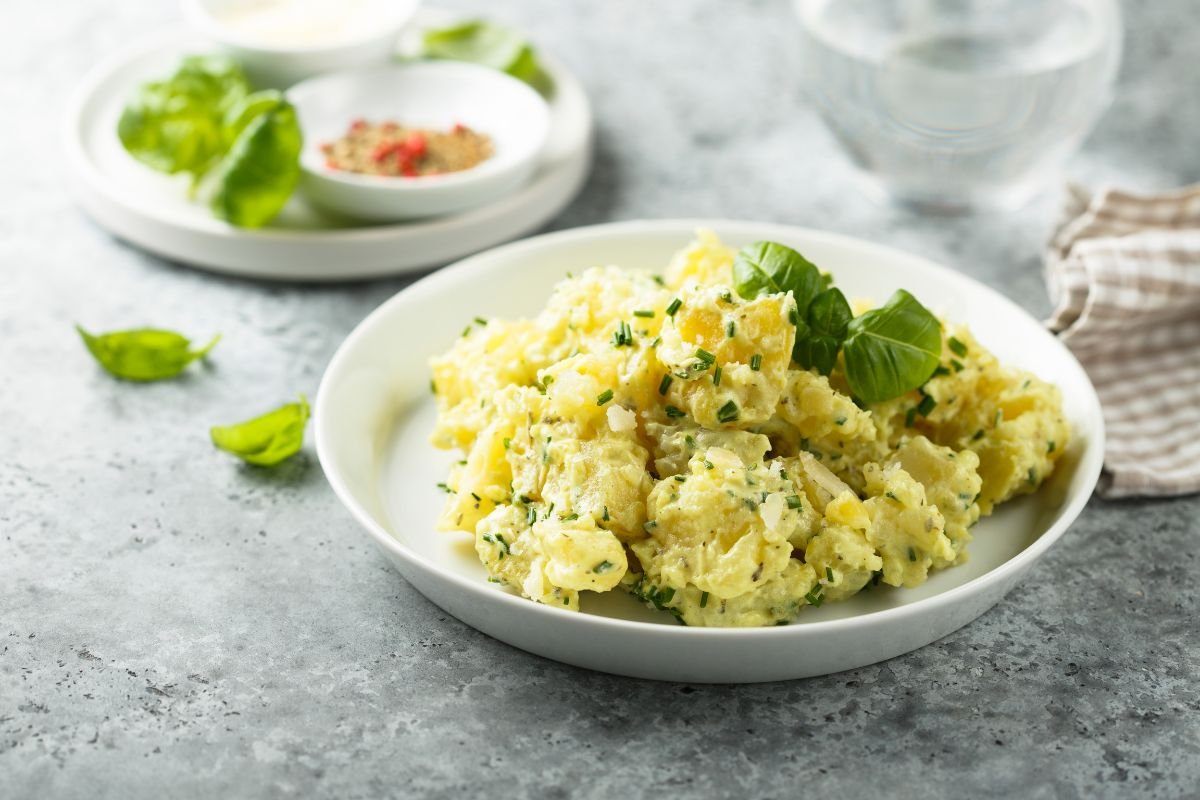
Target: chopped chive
(674, 306)
(569, 517)
(910, 417)
(605, 517)
(840, 421)
(728, 412)
(814, 597)
(793, 501)
(507, 442)
(717, 377)
(657, 279)
(912, 554)
(891, 496)
(727, 296)
(665, 383)
(649, 525)
(958, 365)
(445, 488)
(604, 397)
(704, 357)
(730, 329)
(940, 371)
(681, 478)
(926, 405)
(480, 321)
(623, 336)
(466, 330)
(1032, 475)
(432, 386)
(999, 417)
(642, 312)
(958, 348)
(603, 567)
(689, 439)
(755, 362)
(503, 544)
(708, 464)
(674, 412)
(703, 599)
(829, 574)
(478, 499)
(1050, 446)
(978, 435)
(531, 515)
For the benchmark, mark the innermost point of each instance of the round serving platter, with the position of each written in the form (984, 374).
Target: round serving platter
(153, 212)
(374, 414)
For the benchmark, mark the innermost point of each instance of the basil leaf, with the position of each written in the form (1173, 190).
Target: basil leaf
(256, 178)
(819, 336)
(144, 354)
(771, 268)
(177, 125)
(489, 45)
(892, 349)
(265, 440)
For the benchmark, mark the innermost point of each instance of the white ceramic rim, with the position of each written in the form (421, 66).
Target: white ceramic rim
(531, 147)
(197, 15)
(1090, 465)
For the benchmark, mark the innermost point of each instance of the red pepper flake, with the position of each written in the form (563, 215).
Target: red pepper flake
(393, 149)
(358, 125)
(415, 145)
(458, 128)
(327, 148)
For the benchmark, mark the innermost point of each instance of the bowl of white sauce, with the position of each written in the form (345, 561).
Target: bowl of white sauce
(281, 42)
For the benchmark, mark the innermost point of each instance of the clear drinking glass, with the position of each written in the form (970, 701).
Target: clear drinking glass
(957, 105)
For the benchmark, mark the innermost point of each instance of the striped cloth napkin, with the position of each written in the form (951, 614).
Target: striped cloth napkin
(1124, 271)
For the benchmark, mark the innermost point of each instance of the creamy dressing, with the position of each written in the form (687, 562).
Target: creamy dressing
(300, 22)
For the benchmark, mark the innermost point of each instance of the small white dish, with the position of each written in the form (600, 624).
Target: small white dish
(280, 42)
(155, 212)
(432, 94)
(374, 412)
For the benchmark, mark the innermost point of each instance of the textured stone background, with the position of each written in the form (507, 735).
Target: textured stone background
(172, 625)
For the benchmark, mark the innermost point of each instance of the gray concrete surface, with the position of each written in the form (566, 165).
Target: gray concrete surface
(172, 625)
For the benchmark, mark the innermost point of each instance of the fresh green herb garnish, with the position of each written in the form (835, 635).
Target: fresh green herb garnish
(957, 347)
(708, 464)
(604, 397)
(490, 45)
(674, 306)
(665, 384)
(728, 412)
(204, 121)
(958, 366)
(815, 597)
(1050, 446)
(821, 332)
(703, 599)
(912, 554)
(144, 354)
(643, 313)
(888, 351)
(717, 376)
(926, 405)
(602, 567)
(705, 358)
(756, 362)
(892, 349)
(674, 412)
(265, 440)
(623, 336)
(793, 501)
(730, 329)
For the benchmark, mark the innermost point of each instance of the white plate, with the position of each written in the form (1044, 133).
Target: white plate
(152, 211)
(374, 414)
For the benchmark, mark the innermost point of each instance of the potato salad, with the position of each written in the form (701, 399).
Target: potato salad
(730, 442)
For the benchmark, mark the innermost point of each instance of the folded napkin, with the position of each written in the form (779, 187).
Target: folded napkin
(1124, 271)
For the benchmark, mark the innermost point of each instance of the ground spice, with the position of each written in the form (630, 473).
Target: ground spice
(394, 150)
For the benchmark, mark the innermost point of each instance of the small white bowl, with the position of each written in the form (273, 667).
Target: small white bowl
(277, 51)
(434, 95)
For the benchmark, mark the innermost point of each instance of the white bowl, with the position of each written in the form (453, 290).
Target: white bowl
(434, 94)
(374, 413)
(339, 35)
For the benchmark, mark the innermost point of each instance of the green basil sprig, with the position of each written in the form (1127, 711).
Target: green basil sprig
(203, 120)
(266, 440)
(144, 354)
(490, 45)
(892, 349)
(887, 351)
